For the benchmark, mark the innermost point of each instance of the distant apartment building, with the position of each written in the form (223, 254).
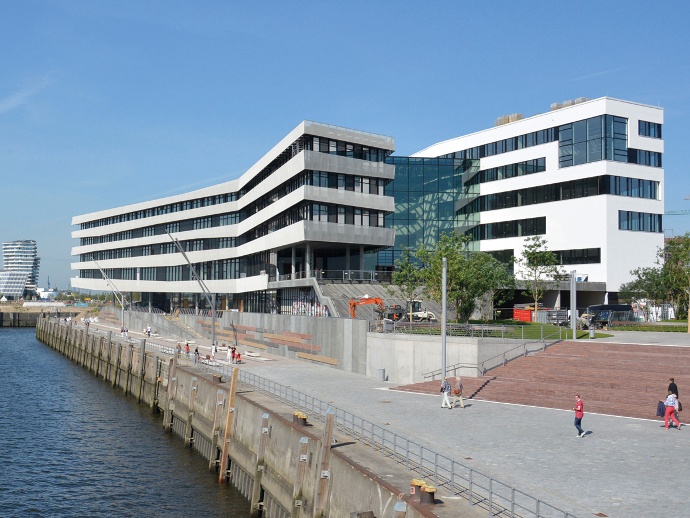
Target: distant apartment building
(313, 205)
(20, 260)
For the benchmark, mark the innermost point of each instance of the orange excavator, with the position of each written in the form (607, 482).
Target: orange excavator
(363, 301)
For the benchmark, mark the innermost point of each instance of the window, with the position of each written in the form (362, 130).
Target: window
(598, 138)
(649, 129)
(639, 221)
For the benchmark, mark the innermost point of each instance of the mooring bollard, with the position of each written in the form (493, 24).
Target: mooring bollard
(416, 486)
(427, 495)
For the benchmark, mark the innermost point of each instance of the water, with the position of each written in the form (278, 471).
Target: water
(74, 446)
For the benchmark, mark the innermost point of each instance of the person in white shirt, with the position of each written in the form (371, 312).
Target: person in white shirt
(671, 408)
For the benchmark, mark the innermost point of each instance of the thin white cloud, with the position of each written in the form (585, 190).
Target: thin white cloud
(596, 74)
(22, 97)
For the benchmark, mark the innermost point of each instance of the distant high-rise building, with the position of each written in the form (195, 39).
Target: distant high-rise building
(22, 256)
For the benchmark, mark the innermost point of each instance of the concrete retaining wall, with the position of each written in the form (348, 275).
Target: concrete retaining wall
(277, 464)
(406, 358)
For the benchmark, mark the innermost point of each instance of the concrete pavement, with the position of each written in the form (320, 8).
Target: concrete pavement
(623, 467)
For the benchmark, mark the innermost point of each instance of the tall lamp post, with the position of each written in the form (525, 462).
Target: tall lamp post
(210, 297)
(443, 317)
(121, 299)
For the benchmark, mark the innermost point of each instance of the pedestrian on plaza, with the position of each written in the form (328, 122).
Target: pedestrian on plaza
(671, 404)
(196, 355)
(186, 350)
(579, 414)
(457, 393)
(213, 351)
(238, 358)
(148, 331)
(232, 354)
(445, 389)
(674, 388)
(179, 349)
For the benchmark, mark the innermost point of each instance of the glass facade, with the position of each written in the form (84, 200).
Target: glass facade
(13, 284)
(425, 191)
(604, 137)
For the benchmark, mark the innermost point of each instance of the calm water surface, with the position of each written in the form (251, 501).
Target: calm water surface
(74, 446)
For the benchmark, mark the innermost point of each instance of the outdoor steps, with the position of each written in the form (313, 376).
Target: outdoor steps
(626, 380)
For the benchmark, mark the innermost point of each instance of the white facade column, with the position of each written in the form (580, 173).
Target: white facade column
(293, 264)
(307, 260)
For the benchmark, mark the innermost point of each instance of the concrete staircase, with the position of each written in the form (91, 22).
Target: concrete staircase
(617, 379)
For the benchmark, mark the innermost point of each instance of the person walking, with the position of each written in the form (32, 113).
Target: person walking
(213, 351)
(148, 331)
(457, 393)
(674, 388)
(186, 350)
(196, 355)
(579, 414)
(232, 354)
(671, 404)
(445, 389)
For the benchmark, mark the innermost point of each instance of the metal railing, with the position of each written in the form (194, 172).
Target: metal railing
(499, 498)
(478, 488)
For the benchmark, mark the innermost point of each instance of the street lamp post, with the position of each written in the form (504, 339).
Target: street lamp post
(210, 297)
(443, 318)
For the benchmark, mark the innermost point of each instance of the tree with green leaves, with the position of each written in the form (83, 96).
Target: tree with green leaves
(498, 282)
(408, 278)
(647, 289)
(675, 258)
(470, 275)
(539, 266)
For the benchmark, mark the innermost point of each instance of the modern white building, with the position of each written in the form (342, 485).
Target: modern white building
(314, 205)
(587, 176)
(22, 257)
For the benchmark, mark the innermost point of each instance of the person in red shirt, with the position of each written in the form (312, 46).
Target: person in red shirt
(579, 414)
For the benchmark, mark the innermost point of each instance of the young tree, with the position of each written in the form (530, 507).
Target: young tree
(675, 258)
(647, 288)
(408, 277)
(470, 275)
(498, 282)
(539, 267)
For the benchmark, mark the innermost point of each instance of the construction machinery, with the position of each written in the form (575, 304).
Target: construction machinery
(394, 312)
(364, 301)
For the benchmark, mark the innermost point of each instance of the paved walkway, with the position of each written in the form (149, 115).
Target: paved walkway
(624, 467)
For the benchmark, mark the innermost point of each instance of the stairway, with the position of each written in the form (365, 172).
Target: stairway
(617, 379)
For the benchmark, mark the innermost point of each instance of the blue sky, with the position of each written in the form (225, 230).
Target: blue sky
(109, 103)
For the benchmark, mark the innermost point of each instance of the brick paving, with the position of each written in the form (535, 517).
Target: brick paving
(614, 378)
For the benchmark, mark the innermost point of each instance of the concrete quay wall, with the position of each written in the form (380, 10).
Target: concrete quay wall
(16, 319)
(284, 468)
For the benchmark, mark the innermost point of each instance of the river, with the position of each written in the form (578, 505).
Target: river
(74, 446)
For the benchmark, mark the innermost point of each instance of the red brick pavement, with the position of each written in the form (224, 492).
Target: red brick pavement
(617, 379)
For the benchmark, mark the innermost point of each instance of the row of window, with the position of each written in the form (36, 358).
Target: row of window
(329, 213)
(565, 257)
(534, 138)
(346, 182)
(538, 165)
(503, 229)
(649, 129)
(306, 142)
(210, 270)
(194, 245)
(642, 157)
(639, 221)
(581, 188)
(318, 178)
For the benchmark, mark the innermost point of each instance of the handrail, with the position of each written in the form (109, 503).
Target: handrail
(461, 479)
(498, 497)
